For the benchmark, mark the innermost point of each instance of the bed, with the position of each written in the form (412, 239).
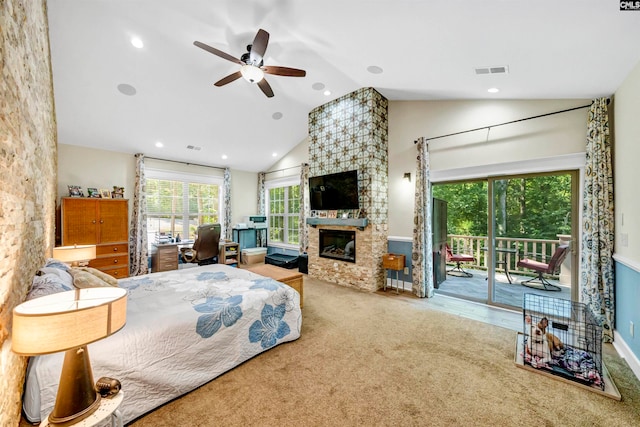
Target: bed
(184, 328)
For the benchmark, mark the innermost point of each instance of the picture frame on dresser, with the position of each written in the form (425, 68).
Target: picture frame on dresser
(105, 193)
(75, 191)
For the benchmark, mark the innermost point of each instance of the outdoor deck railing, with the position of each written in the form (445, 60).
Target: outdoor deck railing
(477, 247)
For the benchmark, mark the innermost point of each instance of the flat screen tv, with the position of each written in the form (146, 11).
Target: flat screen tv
(334, 191)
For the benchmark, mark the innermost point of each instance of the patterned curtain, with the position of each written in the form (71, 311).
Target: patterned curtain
(596, 264)
(260, 237)
(261, 194)
(303, 231)
(227, 203)
(138, 250)
(421, 257)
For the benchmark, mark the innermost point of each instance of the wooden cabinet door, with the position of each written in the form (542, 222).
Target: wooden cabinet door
(79, 222)
(113, 221)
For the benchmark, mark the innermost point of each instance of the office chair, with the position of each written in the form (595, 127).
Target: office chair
(205, 248)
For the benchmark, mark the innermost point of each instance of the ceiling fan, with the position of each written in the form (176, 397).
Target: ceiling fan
(252, 64)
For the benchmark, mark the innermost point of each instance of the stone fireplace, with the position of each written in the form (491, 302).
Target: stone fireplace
(346, 134)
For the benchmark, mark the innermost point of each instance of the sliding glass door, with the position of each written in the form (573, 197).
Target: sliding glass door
(532, 218)
(497, 224)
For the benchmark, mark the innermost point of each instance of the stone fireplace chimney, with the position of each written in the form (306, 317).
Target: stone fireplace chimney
(350, 133)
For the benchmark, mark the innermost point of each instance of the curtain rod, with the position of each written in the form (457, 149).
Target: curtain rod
(507, 123)
(283, 169)
(185, 163)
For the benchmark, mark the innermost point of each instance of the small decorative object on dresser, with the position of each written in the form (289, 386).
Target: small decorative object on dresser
(75, 191)
(105, 193)
(332, 214)
(93, 192)
(118, 192)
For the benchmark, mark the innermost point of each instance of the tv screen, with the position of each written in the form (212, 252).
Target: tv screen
(334, 191)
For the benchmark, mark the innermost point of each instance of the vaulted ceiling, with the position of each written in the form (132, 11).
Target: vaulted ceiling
(112, 95)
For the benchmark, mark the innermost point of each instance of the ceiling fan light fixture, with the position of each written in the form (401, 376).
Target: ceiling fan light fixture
(251, 73)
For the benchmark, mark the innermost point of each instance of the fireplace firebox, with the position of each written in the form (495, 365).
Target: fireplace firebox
(338, 244)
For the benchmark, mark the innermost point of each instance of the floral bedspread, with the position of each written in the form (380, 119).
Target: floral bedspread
(184, 328)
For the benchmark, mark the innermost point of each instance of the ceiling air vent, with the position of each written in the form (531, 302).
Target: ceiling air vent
(503, 69)
(193, 147)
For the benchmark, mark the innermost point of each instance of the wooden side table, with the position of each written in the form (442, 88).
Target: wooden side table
(108, 408)
(395, 263)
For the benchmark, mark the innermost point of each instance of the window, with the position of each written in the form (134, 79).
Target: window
(283, 211)
(178, 203)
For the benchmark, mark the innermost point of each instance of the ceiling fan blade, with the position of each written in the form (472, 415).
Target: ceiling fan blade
(265, 88)
(217, 52)
(284, 71)
(230, 78)
(259, 46)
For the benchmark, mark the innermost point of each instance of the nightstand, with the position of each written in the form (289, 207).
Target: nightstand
(164, 257)
(108, 408)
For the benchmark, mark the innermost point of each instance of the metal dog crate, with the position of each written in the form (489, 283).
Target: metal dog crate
(580, 358)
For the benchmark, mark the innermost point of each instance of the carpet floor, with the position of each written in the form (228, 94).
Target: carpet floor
(364, 360)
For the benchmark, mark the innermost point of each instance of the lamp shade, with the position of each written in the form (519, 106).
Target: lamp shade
(67, 320)
(251, 73)
(75, 253)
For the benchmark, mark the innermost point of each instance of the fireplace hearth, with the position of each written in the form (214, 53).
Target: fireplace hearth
(337, 244)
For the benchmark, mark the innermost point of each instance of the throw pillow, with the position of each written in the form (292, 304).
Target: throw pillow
(101, 275)
(83, 279)
(52, 262)
(46, 284)
(64, 275)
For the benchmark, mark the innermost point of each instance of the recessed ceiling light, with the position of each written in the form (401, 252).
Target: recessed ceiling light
(275, 154)
(136, 42)
(327, 92)
(224, 157)
(317, 86)
(493, 90)
(374, 69)
(126, 89)
(277, 115)
(159, 144)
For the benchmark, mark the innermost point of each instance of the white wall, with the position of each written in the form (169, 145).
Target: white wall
(244, 195)
(547, 137)
(289, 164)
(626, 166)
(89, 167)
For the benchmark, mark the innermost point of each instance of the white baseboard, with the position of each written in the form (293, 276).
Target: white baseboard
(625, 352)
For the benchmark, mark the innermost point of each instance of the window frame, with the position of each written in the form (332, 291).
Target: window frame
(277, 183)
(187, 178)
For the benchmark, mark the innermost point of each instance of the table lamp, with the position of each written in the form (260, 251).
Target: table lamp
(75, 254)
(68, 321)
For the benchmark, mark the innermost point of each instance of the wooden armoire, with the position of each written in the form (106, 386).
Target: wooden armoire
(100, 222)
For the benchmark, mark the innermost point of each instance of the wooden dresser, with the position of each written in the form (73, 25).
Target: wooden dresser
(100, 222)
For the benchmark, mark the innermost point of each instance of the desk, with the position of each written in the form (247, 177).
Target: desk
(108, 408)
(503, 261)
(249, 237)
